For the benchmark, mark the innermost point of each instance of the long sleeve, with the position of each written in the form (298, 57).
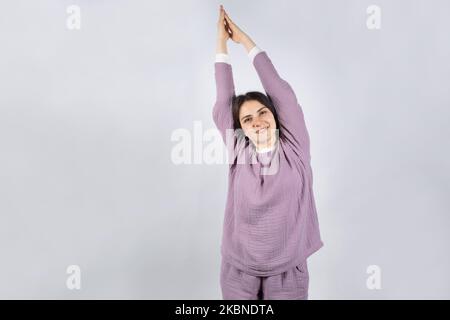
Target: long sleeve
(290, 114)
(221, 113)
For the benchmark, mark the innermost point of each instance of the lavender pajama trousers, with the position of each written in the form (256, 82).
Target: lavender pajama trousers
(289, 285)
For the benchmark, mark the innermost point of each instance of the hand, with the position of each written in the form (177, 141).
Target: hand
(237, 35)
(222, 27)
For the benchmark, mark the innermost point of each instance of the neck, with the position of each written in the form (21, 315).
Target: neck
(266, 146)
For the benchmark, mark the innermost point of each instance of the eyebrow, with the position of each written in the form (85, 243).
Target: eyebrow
(249, 115)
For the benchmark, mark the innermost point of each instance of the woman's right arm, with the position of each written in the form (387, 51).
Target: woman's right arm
(221, 113)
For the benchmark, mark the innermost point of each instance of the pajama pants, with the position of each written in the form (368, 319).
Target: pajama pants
(290, 285)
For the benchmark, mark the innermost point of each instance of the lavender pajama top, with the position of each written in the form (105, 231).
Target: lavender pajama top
(270, 223)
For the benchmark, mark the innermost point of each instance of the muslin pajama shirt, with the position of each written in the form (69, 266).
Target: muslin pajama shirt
(270, 225)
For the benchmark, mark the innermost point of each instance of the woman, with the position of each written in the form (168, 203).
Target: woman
(270, 224)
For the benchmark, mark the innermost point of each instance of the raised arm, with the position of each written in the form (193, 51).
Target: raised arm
(221, 113)
(290, 114)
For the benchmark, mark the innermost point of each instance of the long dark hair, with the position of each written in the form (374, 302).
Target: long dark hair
(239, 100)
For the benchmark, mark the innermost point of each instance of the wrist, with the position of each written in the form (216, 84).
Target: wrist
(221, 46)
(221, 42)
(248, 43)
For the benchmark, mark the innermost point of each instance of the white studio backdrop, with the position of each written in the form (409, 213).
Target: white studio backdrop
(87, 177)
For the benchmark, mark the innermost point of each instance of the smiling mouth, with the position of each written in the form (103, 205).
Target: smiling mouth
(261, 130)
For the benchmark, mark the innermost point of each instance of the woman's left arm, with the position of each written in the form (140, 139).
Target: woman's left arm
(290, 113)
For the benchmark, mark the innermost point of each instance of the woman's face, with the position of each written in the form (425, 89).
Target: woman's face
(257, 122)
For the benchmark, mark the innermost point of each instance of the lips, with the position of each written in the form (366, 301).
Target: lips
(260, 130)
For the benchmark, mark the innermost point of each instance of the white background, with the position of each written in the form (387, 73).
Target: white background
(86, 117)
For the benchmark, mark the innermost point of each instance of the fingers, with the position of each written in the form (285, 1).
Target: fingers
(227, 27)
(225, 21)
(227, 18)
(221, 13)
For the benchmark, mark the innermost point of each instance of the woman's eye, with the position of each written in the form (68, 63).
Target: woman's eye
(262, 112)
(246, 120)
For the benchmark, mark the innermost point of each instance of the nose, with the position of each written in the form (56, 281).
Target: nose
(257, 123)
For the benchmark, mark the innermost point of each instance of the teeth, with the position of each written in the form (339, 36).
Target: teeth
(261, 130)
